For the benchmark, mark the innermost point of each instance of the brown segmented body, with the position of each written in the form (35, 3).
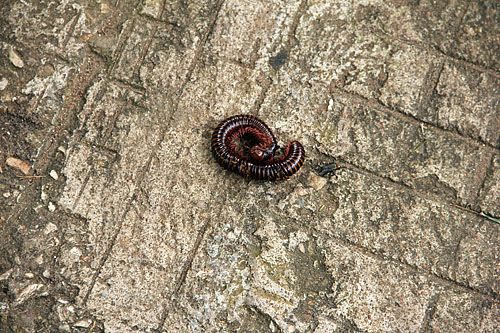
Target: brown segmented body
(260, 161)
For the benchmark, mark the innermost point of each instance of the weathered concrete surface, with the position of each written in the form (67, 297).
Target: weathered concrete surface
(126, 223)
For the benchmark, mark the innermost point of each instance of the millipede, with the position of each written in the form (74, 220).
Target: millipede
(258, 160)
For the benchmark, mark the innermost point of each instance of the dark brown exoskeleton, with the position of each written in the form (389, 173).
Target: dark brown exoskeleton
(259, 161)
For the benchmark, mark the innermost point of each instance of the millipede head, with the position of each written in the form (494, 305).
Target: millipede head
(258, 153)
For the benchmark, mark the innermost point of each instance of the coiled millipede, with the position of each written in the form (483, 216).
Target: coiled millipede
(258, 161)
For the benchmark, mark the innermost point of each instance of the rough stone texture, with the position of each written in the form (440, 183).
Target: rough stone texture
(126, 223)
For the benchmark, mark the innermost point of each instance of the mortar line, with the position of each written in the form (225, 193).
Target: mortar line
(108, 251)
(399, 41)
(288, 46)
(424, 196)
(161, 11)
(377, 106)
(144, 170)
(291, 38)
(184, 271)
(429, 85)
(262, 95)
(74, 94)
(63, 121)
(237, 62)
(141, 173)
(125, 85)
(254, 55)
(144, 52)
(157, 21)
(409, 267)
(122, 41)
(421, 194)
(489, 171)
(449, 58)
(101, 148)
(106, 134)
(82, 187)
(461, 20)
(201, 233)
(429, 312)
(472, 65)
(199, 49)
(98, 146)
(420, 45)
(32, 110)
(71, 29)
(189, 261)
(187, 265)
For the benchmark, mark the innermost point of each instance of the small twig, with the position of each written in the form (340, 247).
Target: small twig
(420, 145)
(491, 218)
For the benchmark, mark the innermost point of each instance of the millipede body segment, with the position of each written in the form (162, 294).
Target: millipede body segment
(258, 160)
